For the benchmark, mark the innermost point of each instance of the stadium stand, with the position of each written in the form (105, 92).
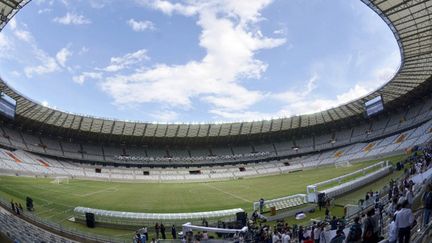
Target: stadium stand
(30, 163)
(19, 230)
(326, 148)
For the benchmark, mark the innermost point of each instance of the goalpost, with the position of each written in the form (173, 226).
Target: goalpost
(342, 164)
(60, 180)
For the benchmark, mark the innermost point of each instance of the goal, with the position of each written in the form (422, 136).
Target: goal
(60, 180)
(343, 164)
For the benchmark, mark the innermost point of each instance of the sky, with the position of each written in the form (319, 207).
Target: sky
(196, 60)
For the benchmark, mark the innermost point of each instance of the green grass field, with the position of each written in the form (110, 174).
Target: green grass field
(56, 201)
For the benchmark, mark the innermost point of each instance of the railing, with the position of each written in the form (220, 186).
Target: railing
(356, 183)
(59, 229)
(357, 172)
(424, 235)
(138, 219)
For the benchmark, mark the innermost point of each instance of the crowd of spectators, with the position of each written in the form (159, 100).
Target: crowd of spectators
(16, 207)
(378, 209)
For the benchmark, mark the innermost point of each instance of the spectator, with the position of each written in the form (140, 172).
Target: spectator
(301, 234)
(261, 205)
(137, 238)
(316, 233)
(376, 220)
(204, 222)
(368, 226)
(286, 237)
(392, 207)
(410, 196)
(334, 223)
(427, 204)
(276, 237)
(392, 234)
(205, 235)
(157, 229)
(145, 232)
(143, 238)
(339, 238)
(322, 237)
(355, 233)
(13, 206)
(17, 209)
(404, 221)
(162, 230)
(173, 232)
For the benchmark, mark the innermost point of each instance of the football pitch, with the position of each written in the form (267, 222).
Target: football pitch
(57, 201)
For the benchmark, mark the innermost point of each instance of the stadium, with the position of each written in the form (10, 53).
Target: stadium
(66, 177)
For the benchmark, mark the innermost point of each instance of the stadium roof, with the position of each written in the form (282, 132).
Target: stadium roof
(410, 21)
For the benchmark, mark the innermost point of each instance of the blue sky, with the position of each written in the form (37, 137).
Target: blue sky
(196, 61)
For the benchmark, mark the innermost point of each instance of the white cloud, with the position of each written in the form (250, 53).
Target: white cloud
(235, 98)
(280, 32)
(123, 62)
(23, 35)
(241, 116)
(72, 19)
(98, 4)
(170, 8)
(165, 116)
(5, 46)
(294, 95)
(231, 39)
(12, 24)
(80, 79)
(302, 101)
(48, 64)
(15, 73)
(62, 56)
(83, 50)
(139, 26)
(45, 10)
(48, 2)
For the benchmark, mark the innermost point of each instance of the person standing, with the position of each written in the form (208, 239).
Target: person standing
(339, 238)
(392, 232)
(12, 206)
(301, 234)
(286, 237)
(369, 228)
(174, 232)
(316, 233)
(157, 228)
(404, 220)
(261, 204)
(145, 232)
(276, 237)
(410, 196)
(162, 230)
(427, 204)
(355, 233)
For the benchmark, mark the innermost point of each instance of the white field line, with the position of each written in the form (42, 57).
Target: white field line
(228, 193)
(109, 189)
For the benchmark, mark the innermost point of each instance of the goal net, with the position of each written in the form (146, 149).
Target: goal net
(343, 164)
(60, 180)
